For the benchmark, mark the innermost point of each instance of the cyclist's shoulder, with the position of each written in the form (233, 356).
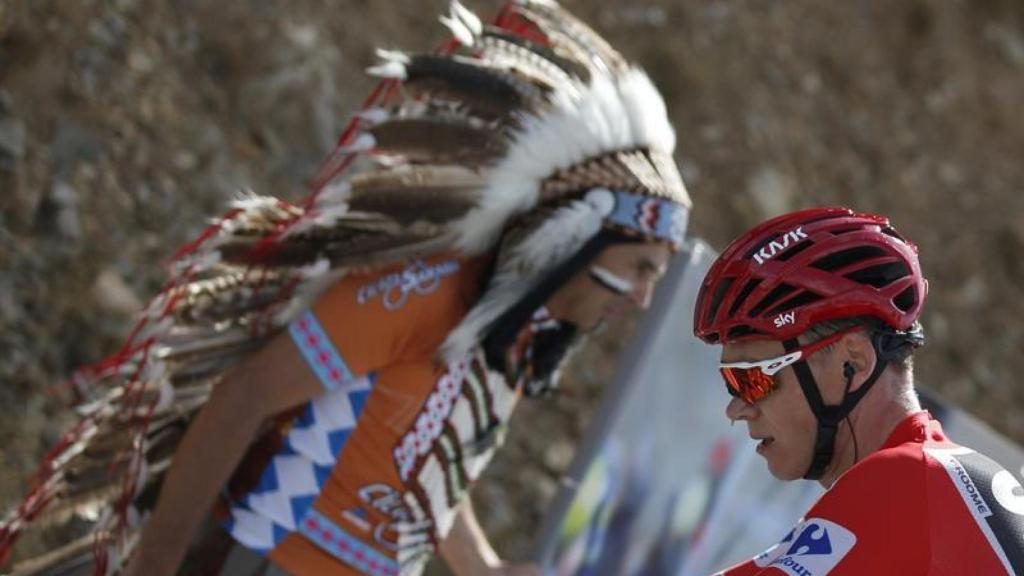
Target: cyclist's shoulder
(890, 482)
(904, 461)
(897, 467)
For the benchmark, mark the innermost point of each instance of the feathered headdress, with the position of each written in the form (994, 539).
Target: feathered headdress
(534, 115)
(549, 117)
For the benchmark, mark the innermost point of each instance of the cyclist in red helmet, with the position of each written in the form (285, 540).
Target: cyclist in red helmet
(817, 315)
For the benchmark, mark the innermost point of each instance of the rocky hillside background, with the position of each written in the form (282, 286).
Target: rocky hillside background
(125, 124)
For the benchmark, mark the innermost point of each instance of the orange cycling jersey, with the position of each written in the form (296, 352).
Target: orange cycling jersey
(369, 474)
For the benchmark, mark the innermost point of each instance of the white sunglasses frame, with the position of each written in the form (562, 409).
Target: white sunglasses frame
(769, 367)
(772, 366)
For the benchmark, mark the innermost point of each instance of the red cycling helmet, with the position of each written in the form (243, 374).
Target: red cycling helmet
(799, 269)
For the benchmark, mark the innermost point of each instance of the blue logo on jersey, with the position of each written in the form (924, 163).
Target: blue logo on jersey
(813, 548)
(812, 541)
(418, 277)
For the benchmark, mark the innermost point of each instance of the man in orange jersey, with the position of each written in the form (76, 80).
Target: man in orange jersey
(377, 464)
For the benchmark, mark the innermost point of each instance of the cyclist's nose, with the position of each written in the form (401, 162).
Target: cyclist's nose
(737, 409)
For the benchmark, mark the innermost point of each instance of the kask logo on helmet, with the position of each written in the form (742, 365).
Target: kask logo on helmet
(775, 247)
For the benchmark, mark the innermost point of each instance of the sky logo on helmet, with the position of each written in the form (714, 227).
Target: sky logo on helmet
(814, 548)
(785, 319)
(779, 245)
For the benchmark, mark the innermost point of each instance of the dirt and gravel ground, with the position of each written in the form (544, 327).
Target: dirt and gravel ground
(124, 124)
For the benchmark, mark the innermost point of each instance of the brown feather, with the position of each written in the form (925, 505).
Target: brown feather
(432, 193)
(487, 92)
(389, 251)
(439, 141)
(535, 60)
(570, 36)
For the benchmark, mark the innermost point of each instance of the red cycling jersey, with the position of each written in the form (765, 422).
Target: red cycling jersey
(921, 505)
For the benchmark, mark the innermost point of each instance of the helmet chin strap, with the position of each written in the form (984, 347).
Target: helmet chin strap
(829, 416)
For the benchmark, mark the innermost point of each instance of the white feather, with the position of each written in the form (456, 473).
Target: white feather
(154, 371)
(330, 204)
(315, 270)
(393, 66)
(458, 29)
(334, 193)
(557, 239)
(74, 449)
(468, 17)
(363, 143)
(204, 259)
(645, 109)
(165, 397)
(318, 217)
(602, 200)
(607, 115)
(389, 71)
(251, 202)
(393, 56)
(301, 226)
(373, 116)
(329, 215)
(156, 306)
(155, 329)
(551, 245)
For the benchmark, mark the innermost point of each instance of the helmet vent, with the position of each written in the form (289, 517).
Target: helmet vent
(847, 230)
(780, 292)
(880, 276)
(742, 296)
(801, 299)
(846, 257)
(716, 301)
(741, 331)
(794, 251)
(892, 232)
(906, 299)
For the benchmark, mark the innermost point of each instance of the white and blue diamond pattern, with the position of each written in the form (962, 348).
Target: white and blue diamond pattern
(295, 475)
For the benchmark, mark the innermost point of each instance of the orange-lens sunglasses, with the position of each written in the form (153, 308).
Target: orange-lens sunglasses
(753, 381)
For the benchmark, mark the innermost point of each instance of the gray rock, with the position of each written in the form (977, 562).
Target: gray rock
(89, 64)
(772, 191)
(9, 309)
(110, 32)
(113, 294)
(185, 160)
(12, 141)
(1009, 41)
(637, 16)
(64, 199)
(718, 12)
(74, 143)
